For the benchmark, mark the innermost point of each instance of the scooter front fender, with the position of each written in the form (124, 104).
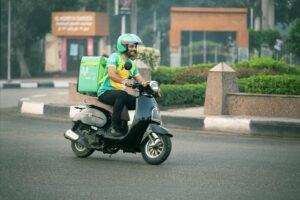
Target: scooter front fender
(158, 129)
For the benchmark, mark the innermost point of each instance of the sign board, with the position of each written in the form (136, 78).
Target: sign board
(125, 7)
(79, 24)
(278, 44)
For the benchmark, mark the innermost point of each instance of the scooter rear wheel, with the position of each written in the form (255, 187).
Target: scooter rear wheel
(157, 151)
(80, 150)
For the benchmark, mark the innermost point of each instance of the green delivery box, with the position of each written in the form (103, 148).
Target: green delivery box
(90, 69)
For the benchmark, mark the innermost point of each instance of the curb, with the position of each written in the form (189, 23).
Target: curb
(245, 126)
(53, 84)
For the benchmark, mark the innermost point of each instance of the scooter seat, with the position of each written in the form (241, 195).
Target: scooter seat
(94, 101)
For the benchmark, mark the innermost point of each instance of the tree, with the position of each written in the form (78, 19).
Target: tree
(31, 20)
(286, 10)
(294, 37)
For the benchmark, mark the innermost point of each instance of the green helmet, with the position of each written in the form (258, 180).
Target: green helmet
(127, 38)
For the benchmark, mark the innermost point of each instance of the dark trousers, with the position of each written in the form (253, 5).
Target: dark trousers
(118, 99)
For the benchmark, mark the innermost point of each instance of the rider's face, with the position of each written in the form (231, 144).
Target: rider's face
(132, 50)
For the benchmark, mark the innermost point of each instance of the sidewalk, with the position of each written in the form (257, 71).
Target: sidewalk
(58, 105)
(56, 82)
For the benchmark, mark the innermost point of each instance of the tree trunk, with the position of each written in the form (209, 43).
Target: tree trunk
(268, 15)
(24, 71)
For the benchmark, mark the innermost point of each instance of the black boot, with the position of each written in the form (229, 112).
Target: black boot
(115, 132)
(124, 126)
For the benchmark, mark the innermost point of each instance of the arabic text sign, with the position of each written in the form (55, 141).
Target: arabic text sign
(73, 23)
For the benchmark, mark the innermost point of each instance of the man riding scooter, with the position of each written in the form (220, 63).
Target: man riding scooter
(120, 69)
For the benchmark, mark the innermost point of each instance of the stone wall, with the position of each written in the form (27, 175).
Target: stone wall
(263, 105)
(222, 98)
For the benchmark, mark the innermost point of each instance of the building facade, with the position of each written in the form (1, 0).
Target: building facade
(73, 35)
(208, 20)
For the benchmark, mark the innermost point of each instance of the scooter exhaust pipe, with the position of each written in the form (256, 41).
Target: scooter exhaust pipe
(71, 135)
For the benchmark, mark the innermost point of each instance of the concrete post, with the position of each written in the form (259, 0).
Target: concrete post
(53, 53)
(175, 57)
(220, 81)
(268, 13)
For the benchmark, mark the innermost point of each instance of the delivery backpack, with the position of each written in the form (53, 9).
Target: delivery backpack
(91, 74)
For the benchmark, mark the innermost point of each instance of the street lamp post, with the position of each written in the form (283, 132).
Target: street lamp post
(9, 42)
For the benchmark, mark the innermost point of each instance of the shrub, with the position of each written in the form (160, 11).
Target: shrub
(279, 84)
(149, 56)
(264, 66)
(165, 75)
(248, 72)
(180, 75)
(194, 75)
(189, 94)
(293, 70)
(198, 73)
(266, 63)
(262, 63)
(245, 72)
(208, 65)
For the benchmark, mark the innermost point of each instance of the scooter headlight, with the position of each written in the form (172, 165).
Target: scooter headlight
(154, 86)
(155, 116)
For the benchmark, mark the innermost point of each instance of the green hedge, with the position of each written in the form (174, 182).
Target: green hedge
(194, 94)
(189, 94)
(278, 84)
(165, 75)
(193, 75)
(198, 73)
(262, 63)
(264, 66)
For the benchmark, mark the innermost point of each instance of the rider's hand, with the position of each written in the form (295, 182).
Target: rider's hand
(144, 83)
(127, 83)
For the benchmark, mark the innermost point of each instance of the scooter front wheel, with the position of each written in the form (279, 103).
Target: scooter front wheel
(80, 150)
(156, 150)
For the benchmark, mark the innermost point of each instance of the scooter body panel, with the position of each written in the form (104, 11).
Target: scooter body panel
(156, 128)
(141, 121)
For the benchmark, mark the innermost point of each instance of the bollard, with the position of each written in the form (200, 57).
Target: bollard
(222, 79)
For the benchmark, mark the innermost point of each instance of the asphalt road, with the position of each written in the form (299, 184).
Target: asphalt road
(36, 162)
(11, 97)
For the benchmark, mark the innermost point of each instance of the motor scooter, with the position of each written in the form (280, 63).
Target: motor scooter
(92, 125)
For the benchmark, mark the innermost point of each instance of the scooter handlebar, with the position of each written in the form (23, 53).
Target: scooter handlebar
(137, 86)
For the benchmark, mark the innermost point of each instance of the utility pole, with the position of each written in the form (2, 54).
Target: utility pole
(154, 29)
(9, 42)
(190, 48)
(251, 18)
(123, 24)
(116, 7)
(124, 7)
(134, 16)
(204, 47)
(268, 9)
